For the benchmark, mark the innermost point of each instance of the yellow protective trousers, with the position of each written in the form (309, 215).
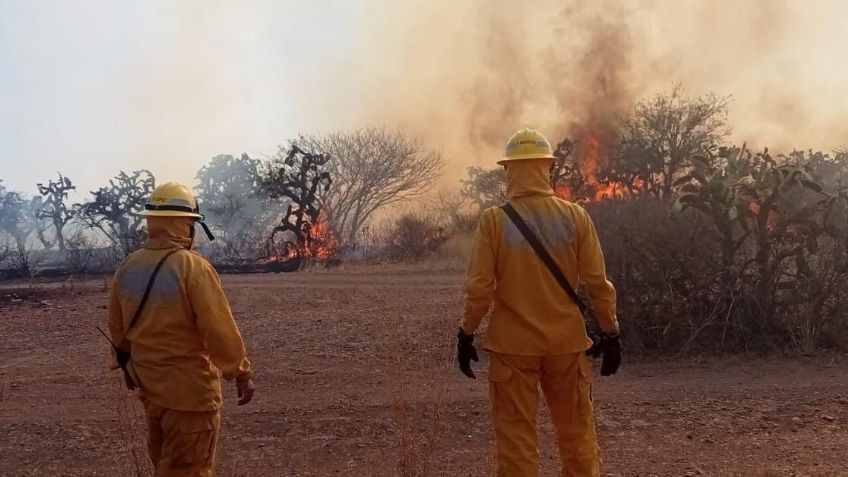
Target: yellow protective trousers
(565, 380)
(181, 443)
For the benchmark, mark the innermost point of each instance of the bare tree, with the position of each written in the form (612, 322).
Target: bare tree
(658, 140)
(112, 209)
(55, 207)
(372, 168)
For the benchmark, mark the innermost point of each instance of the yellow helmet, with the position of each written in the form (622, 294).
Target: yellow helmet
(171, 199)
(527, 144)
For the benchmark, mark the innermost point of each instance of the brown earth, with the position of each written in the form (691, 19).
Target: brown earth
(355, 378)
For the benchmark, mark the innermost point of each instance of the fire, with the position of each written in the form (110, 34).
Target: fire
(320, 243)
(593, 188)
(317, 243)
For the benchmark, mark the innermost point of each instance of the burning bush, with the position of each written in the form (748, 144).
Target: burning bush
(752, 258)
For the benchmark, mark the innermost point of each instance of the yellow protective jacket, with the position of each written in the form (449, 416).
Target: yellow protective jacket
(185, 333)
(532, 314)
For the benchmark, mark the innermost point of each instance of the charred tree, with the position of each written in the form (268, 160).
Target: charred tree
(300, 179)
(566, 175)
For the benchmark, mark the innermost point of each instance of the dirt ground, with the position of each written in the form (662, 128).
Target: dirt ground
(355, 378)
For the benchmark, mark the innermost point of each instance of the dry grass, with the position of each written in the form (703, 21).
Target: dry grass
(4, 392)
(415, 451)
(131, 448)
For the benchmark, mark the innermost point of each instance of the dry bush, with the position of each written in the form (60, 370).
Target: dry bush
(410, 237)
(4, 392)
(23, 262)
(80, 248)
(664, 269)
(131, 449)
(457, 247)
(417, 410)
(678, 294)
(816, 311)
(108, 258)
(455, 213)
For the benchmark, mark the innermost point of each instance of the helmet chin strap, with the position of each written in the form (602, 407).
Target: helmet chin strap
(206, 229)
(192, 231)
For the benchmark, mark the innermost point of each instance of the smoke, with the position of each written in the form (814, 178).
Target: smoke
(465, 75)
(169, 85)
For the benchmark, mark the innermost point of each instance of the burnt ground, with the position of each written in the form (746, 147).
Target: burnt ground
(354, 378)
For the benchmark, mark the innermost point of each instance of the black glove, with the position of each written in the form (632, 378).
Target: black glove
(612, 354)
(609, 346)
(465, 353)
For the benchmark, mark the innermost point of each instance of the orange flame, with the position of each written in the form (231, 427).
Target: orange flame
(594, 188)
(319, 244)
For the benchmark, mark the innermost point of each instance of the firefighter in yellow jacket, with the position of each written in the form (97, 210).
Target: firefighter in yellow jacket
(536, 335)
(183, 339)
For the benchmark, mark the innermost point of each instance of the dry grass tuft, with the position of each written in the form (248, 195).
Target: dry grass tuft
(417, 412)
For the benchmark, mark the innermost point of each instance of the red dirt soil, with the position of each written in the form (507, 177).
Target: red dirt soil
(355, 378)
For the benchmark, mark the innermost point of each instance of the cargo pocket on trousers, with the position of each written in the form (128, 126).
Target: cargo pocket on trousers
(500, 388)
(584, 377)
(195, 441)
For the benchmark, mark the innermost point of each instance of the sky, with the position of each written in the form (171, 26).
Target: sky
(90, 87)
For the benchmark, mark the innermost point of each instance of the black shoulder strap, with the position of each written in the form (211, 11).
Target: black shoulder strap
(149, 287)
(543, 254)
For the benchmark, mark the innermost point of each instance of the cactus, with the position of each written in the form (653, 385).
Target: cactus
(768, 213)
(299, 178)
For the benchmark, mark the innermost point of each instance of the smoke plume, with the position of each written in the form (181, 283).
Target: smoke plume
(465, 75)
(169, 85)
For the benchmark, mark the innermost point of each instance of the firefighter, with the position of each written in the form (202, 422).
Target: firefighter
(181, 341)
(536, 335)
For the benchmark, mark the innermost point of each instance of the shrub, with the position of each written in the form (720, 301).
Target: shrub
(410, 237)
